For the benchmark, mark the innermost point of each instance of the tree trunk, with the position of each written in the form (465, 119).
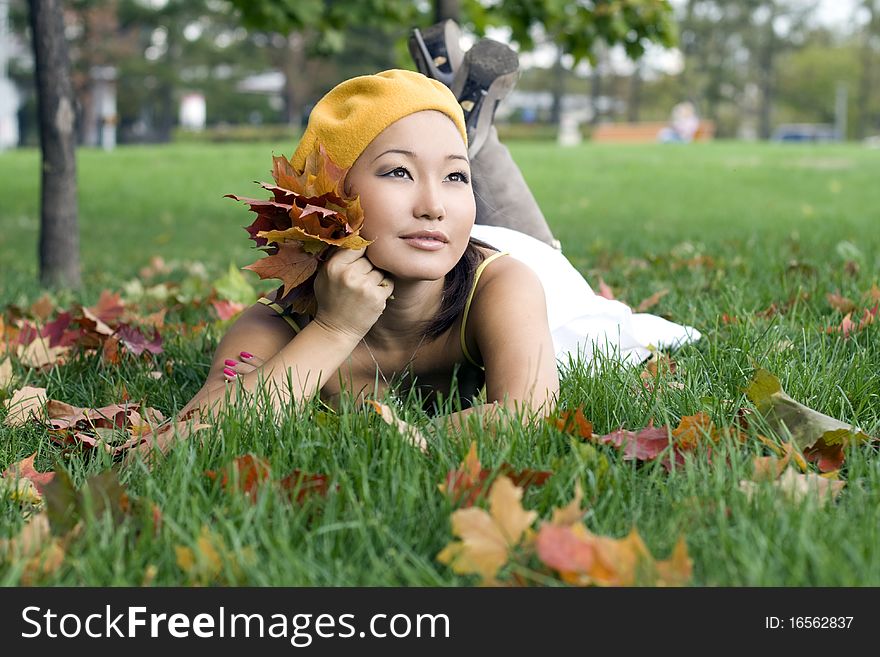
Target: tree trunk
(596, 87)
(447, 9)
(558, 88)
(687, 51)
(766, 80)
(59, 233)
(863, 102)
(635, 94)
(296, 79)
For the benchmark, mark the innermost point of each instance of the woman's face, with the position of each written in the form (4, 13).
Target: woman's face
(414, 186)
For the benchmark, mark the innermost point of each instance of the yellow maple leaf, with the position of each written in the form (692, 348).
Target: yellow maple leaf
(488, 537)
(205, 562)
(34, 546)
(572, 512)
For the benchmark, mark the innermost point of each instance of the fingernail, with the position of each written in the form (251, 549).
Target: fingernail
(245, 354)
(230, 362)
(228, 372)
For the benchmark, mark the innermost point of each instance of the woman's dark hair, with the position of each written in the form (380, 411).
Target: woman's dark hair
(456, 289)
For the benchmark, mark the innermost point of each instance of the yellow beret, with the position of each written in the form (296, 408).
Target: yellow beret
(354, 112)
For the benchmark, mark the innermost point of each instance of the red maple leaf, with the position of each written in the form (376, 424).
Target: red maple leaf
(302, 485)
(109, 307)
(643, 445)
(466, 484)
(136, 342)
(226, 309)
(25, 469)
(245, 473)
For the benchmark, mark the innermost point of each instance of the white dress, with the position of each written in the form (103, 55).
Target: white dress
(583, 323)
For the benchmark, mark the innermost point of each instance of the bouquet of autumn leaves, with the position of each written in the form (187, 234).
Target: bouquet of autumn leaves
(308, 216)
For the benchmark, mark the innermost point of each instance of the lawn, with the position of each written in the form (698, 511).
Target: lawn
(748, 239)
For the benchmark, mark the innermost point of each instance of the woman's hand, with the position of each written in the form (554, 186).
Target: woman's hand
(351, 293)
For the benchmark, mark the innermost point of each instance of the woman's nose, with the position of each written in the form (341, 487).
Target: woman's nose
(430, 202)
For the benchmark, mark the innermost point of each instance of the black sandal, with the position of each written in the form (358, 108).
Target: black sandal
(488, 73)
(436, 51)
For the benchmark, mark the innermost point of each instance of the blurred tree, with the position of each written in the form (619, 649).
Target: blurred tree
(306, 28)
(778, 26)
(731, 46)
(579, 28)
(867, 72)
(808, 78)
(59, 231)
(95, 42)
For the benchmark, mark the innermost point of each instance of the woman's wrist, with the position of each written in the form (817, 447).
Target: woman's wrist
(337, 331)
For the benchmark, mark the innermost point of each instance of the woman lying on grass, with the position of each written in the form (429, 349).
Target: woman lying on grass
(397, 310)
(426, 306)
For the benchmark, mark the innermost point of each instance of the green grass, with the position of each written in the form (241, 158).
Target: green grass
(769, 224)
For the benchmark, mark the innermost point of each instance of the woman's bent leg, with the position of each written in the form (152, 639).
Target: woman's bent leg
(503, 196)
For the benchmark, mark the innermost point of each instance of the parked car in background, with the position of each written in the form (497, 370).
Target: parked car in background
(811, 132)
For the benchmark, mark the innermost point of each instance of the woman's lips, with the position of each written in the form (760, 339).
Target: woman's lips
(426, 240)
(424, 243)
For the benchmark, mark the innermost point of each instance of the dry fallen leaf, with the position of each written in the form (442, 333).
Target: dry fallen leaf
(487, 538)
(24, 470)
(412, 435)
(796, 487)
(466, 484)
(572, 512)
(39, 354)
(36, 547)
(209, 558)
(840, 303)
(789, 417)
(584, 559)
(24, 405)
(574, 423)
(651, 301)
(5, 373)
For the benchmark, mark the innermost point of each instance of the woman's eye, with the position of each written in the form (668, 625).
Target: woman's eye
(399, 172)
(458, 176)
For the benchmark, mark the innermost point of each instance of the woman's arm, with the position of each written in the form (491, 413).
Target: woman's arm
(351, 295)
(508, 326)
(260, 331)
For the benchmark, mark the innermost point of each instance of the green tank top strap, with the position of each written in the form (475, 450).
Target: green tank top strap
(467, 306)
(281, 312)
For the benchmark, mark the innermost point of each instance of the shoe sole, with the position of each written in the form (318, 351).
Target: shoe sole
(436, 51)
(489, 72)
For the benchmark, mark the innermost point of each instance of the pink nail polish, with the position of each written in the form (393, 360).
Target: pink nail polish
(230, 362)
(228, 372)
(245, 354)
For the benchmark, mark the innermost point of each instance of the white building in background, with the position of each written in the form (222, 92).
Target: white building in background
(10, 99)
(9, 103)
(193, 111)
(101, 130)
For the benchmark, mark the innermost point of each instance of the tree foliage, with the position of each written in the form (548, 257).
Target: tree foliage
(578, 27)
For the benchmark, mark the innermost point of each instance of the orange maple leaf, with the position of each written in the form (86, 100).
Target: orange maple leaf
(574, 423)
(488, 537)
(308, 215)
(290, 263)
(583, 558)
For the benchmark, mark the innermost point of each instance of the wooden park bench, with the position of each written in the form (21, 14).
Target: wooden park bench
(644, 131)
